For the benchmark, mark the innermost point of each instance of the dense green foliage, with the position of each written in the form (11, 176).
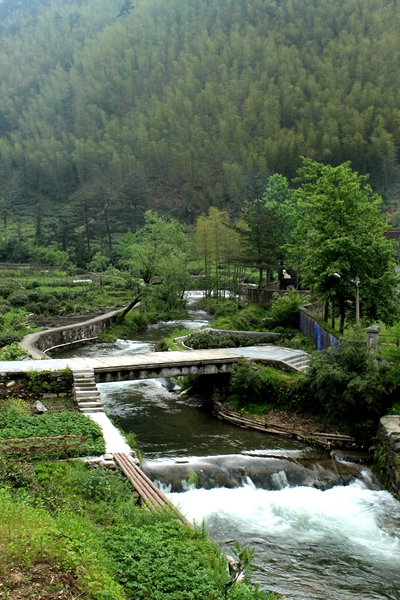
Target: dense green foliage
(202, 340)
(147, 570)
(256, 389)
(116, 549)
(285, 309)
(186, 105)
(340, 238)
(266, 225)
(347, 386)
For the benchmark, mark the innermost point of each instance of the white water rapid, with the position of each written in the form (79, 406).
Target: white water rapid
(336, 544)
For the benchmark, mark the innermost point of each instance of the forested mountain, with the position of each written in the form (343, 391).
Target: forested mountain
(109, 107)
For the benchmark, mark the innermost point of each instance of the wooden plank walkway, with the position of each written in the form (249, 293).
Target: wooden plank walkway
(146, 489)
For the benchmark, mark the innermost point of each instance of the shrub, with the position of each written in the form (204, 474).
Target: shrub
(32, 285)
(12, 352)
(7, 288)
(246, 383)
(8, 337)
(285, 309)
(205, 340)
(34, 296)
(347, 384)
(18, 299)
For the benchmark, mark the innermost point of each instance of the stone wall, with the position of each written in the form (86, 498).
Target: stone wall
(38, 343)
(387, 453)
(36, 385)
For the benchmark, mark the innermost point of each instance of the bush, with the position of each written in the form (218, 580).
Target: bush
(8, 337)
(246, 383)
(347, 384)
(7, 288)
(257, 389)
(18, 299)
(32, 285)
(12, 352)
(285, 309)
(206, 340)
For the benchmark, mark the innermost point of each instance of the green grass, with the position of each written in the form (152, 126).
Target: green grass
(17, 422)
(86, 522)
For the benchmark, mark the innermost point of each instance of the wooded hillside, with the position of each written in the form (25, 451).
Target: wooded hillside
(108, 109)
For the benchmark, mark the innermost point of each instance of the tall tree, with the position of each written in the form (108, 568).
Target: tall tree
(157, 259)
(218, 247)
(266, 226)
(341, 230)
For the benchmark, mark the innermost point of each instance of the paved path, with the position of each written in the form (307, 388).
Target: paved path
(115, 441)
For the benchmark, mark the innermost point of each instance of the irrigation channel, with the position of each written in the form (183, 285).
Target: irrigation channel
(321, 528)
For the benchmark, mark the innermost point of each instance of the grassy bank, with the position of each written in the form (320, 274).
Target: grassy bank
(72, 528)
(66, 527)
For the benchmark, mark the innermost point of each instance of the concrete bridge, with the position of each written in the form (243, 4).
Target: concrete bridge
(88, 371)
(164, 364)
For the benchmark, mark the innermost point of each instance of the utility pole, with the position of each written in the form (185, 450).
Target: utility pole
(356, 282)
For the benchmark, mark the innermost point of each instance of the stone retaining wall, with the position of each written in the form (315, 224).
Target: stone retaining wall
(36, 385)
(37, 344)
(387, 453)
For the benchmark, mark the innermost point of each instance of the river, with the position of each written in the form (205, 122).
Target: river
(314, 537)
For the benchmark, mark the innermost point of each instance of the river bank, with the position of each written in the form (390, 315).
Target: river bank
(312, 539)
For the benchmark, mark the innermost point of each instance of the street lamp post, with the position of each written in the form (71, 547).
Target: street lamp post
(356, 282)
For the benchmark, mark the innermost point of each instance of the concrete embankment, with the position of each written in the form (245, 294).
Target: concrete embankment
(37, 344)
(387, 453)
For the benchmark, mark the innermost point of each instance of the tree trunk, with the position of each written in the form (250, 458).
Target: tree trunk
(260, 270)
(108, 228)
(342, 316)
(122, 316)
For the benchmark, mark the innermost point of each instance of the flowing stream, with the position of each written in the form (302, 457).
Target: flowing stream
(322, 529)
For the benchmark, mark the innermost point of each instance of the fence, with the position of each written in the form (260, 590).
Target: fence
(310, 325)
(43, 444)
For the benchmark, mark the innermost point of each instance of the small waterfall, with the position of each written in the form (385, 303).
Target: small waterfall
(330, 545)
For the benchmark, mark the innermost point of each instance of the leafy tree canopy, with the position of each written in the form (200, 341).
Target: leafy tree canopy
(341, 231)
(157, 261)
(266, 225)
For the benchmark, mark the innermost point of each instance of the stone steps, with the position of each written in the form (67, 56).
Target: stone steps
(86, 394)
(299, 362)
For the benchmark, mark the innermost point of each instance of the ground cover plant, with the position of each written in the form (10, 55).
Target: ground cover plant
(83, 526)
(17, 422)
